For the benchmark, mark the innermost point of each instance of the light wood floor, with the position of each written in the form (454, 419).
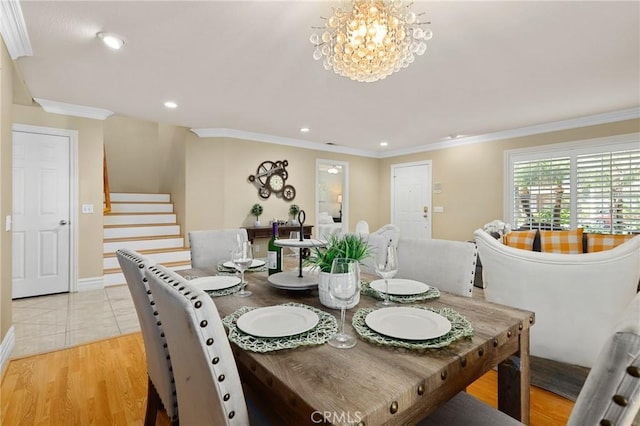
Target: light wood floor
(104, 383)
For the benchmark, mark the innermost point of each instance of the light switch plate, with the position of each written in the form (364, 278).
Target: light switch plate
(87, 208)
(7, 223)
(438, 209)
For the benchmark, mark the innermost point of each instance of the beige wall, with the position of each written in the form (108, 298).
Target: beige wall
(6, 183)
(219, 195)
(472, 177)
(90, 232)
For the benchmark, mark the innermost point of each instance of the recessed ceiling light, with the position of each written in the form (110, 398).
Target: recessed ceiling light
(112, 40)
(304, 129)
(171, 104)
(383, 143)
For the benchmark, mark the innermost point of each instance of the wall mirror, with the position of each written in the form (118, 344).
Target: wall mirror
(332, 197)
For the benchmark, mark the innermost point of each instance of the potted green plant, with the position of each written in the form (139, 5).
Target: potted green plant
(352, 246)
(294, 209)
(256, 210)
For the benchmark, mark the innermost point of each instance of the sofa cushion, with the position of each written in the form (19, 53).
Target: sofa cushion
(521, 239)
(601, 242)
(567, 242)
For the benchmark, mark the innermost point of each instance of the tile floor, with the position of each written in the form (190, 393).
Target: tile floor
(48, 323)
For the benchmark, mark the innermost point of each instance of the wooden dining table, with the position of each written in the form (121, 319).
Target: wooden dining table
(372, 384)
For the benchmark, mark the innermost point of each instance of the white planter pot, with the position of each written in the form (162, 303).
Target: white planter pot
(294, 222)
(256, 223)
(325, 297)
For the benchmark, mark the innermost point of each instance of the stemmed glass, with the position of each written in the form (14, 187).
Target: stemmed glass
(343, 286)
(294, 235)
(242, 256)
(386, 266)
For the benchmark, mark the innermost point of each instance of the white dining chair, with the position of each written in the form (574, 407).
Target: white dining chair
(210, 247)
(362, 227)
(610, 395)
(207, 381)
(161, 391)
(448, 265)
(378, 240)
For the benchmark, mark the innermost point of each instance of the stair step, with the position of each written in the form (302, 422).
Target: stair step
(141, 208)
(164, 256)
(117, 197)
(116, 277)
(148, 230)
(138, 219)
(143, 243)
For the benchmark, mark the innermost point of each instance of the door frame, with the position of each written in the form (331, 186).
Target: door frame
(73, 191)
(392, 170)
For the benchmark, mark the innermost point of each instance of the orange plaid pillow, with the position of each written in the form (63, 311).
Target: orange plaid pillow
(567, 242)
(520, 239)
(601, 242)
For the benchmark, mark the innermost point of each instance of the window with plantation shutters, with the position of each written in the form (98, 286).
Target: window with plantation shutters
(608, 189)
(593, 184)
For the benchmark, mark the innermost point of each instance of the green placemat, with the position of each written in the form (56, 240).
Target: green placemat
(225, 269)
(432, 293)
(326, 328)
(460, 328)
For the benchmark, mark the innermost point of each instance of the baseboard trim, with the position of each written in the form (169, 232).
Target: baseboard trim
(93, 283)
(6, 347)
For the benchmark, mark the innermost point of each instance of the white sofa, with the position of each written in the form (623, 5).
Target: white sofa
(577, 298)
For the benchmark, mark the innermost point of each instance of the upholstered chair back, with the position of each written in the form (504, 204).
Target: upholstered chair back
(209, 247)
(448, 265)
(362, 227)
(577, 298)
(133, 266)
(206, 375)
(611, 393)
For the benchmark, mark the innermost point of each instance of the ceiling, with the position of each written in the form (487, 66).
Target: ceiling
(246, 68)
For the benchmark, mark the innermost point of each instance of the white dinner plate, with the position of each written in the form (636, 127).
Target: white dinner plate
(408, 323)
(217, 282)
(255, 263)
(277, 321)
(400, 287)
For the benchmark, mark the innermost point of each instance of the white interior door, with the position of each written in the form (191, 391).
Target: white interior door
(41, 214)
(411, 199)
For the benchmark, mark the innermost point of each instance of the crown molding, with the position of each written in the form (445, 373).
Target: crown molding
(591, 120)
(279, 140)
(73, 110)
(14, 30)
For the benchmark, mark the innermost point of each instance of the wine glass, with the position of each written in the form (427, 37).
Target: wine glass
(242, 256)
(294, 235)
(386, 266)
(343, 286)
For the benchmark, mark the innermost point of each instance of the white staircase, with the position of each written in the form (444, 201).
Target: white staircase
(144, 223)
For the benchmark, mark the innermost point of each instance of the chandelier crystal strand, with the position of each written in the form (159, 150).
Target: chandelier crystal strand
(367, 40)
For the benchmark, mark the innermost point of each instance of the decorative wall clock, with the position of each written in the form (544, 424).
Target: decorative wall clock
(271, 177)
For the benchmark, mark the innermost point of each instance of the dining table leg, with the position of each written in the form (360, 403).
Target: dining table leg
(514, 380)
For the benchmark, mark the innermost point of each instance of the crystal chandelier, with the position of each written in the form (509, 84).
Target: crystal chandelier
(367, 40)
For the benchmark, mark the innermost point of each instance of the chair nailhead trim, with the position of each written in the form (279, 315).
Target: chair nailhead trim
(633, 371)
(232, 414)
(155, 313)
(148, 291)
(181, 288)
(221, 378)
(203, 323)
(198, 304)
(159, 323)
(144, 280)
(605, 422)
(215, 360)
(209, 341)
(620, 400)
(226, 397)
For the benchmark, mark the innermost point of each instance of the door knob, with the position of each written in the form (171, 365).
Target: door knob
(63, 222)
